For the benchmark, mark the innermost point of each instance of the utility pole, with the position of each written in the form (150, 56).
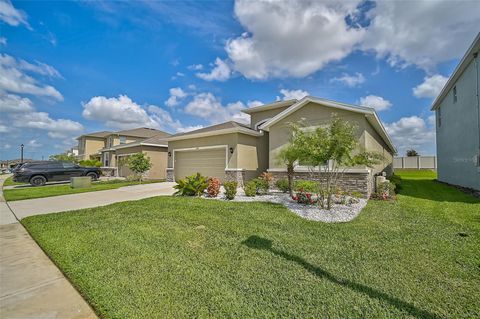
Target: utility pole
(21, 153)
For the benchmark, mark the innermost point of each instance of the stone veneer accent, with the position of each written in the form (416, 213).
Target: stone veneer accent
(352, 182)
(235, 175)
(170, 175)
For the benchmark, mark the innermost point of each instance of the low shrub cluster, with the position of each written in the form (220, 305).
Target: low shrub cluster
(303, 197)
(193, 185)
(213, 187)
(307, 186)
(250, 188)
(90, 163)
(230, 190)
(385, 191)
(282, 185)
(397, 181)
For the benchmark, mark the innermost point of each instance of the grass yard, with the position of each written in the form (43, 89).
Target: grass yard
(170, 257)
(9, 182)
(64, 189)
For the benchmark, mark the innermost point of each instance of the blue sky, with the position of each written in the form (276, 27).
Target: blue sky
(73, 67)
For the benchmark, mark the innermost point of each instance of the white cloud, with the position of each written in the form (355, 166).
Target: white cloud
(195, 67)
(377, 102)
(254, 103)
(3, 128)
(412, 132)
(12, 16)
(189, 128)
(6, 146)
(123, 113)
(11, 103)
(423, 33)
(292, 94)
(34, 144)
(13, 79)
(118, 113)
(431, 86)
(209, 107)
(221, 72)
(350, 80)
(61, 128)
(3, 41)
(291, 38)
(176, 94)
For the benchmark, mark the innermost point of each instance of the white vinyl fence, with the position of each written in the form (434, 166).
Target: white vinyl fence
(415, 162)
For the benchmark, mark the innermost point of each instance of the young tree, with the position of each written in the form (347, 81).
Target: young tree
(139, 164)
(330, 150)
(289, 155)
(412, 152)
(63, 157)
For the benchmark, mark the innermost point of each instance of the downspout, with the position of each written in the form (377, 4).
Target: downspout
(475, 56)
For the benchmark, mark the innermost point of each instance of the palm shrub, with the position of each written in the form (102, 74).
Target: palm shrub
(282, 185)
(193, 185)
(250, 188)
(230, 189)
(289, 156)
(213, 187)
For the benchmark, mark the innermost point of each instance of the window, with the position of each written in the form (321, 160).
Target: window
(123, 139)
(439, 117)
(455, 94)
(105, 159)
(68, 165)
(109, 141)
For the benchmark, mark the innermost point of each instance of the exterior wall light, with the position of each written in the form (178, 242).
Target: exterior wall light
(169, 154)
(231, 150)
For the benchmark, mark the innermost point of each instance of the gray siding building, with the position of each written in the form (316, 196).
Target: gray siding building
(457, 113)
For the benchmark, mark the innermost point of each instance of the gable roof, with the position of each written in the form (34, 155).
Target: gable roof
(156, 141)
(270, 106)
(222, 128)
(141, 132)
(467, 58)
(100, 134)
(369, 112)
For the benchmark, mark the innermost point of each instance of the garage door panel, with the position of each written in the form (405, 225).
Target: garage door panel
(210, 163)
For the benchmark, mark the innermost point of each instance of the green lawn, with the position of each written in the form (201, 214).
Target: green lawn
(64, 189)
(9, 182)
(169, 257)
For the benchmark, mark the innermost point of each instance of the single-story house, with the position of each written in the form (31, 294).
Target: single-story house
(235, 151)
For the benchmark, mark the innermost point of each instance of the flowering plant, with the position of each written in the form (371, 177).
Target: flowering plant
(303, 197)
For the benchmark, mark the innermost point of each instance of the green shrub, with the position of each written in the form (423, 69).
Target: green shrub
(385, 191)
(396, 180)
(282, 185)
(356, 194)
(262, 185)
(307, 186)
(230, 189)
(250, 189)
(90, 163)
(193, 185)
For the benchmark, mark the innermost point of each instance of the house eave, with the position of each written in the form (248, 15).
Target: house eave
(217, 132)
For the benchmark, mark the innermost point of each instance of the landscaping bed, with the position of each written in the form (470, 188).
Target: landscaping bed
(184, 257)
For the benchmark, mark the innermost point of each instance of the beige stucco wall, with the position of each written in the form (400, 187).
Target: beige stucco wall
(259, 116)
(374, 143)
(224, 139)
(311, 114)
(88, 146)
(157, 155)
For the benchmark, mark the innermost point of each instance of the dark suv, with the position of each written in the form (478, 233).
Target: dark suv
(38, 173)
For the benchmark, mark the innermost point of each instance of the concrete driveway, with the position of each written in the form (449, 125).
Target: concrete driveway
(29, 207)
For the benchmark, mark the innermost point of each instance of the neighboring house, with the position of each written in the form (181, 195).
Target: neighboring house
(89, 145)
(73, 151)
(113, 149)
(234, 151)
(457, 111)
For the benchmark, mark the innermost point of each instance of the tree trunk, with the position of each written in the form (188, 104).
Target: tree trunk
(290, 179)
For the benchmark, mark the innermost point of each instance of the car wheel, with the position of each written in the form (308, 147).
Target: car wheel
(93, 176)
(38, 181)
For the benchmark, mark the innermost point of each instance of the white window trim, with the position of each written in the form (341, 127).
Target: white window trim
(200, 149)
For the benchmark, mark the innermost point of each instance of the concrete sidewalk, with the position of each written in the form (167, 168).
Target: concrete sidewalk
(31, 286)
(29, 207)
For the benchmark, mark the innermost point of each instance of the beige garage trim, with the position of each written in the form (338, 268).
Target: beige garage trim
(208, 161)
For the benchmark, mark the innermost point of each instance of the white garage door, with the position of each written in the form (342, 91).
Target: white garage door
(209, 162)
